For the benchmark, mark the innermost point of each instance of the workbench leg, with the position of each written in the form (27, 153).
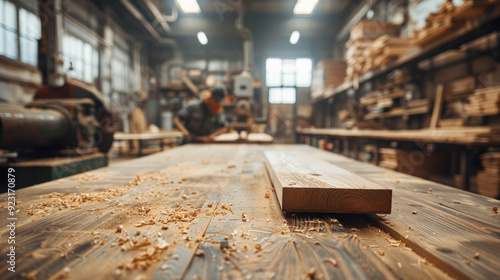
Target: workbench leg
(355, 149)
(376, 154)
(337, 146)
(345, 148)
(162, 145)
(464, 169)
(140, 148)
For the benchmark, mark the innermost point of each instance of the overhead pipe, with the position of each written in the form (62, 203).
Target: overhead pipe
(138, 15)
(158, 15)
(173, 17)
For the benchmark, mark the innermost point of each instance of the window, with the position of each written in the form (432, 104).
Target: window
(282, 95)
(288, 72)
(121, 70)
(283, 76)
(81, 60)
(29, 32)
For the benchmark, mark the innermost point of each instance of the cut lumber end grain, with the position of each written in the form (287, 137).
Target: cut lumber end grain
(307, 184)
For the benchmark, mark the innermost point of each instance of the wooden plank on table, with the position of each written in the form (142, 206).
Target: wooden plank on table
(438, 106)
(305, 184)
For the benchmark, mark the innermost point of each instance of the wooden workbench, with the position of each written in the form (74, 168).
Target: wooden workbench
(481, 135)
(192, 200)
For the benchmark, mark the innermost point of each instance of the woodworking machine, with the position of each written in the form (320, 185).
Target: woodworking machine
(68, 118)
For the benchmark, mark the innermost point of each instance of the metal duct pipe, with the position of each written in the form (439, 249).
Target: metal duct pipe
(33, 128)
(246, 33)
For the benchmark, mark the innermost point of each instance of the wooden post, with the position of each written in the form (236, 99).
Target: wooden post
(438, 107)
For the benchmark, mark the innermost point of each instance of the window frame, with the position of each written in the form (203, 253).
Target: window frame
(94, 65)
(18, 60)
(282, 82)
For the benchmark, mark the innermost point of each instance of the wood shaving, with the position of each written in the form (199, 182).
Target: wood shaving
(331, 261)
(311, 273)
(414, 212)
(200, 253)
(267, 194)
(119, 229)
(229, 166)
(476, 255)
(494, 210)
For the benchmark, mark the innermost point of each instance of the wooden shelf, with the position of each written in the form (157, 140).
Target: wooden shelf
(474, 29)
(397, 112)
(482, 135)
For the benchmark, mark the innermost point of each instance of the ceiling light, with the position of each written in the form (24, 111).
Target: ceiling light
(189, 6)
(304, 7)
(295, 37)
(202, 37)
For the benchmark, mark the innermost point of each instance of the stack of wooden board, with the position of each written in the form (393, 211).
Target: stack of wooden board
(307, 184)
(384, 50)
(328, 73)
(488, 181)
(460, 88)
(417, 103)
(417, 163)
(389, 158)
(372, 29)
(437, 24)
(484, 102)
(362, 35)
(448, 18)
(452, 122)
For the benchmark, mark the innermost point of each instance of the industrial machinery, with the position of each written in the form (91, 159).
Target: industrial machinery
(71, 118)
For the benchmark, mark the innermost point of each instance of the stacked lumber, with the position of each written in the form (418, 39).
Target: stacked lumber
(328, 73)
(363, 35)
(437, 24)
(389, 158)
(460, 88)
(484, 102)
(384, 50)
(448, 18)
(404, 161)
(452, 122)
(488, 181)
(308, 184)
(417, 103)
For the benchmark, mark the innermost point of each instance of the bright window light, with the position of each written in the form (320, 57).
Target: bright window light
(295, 37)
(288, 72)
(189, 6)
(202, 37)
(304, 7)
(282, 95)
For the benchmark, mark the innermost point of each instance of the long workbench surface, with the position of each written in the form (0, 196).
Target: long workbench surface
(209, 212)
(481, 135)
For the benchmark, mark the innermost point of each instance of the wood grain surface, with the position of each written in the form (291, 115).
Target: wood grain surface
(201, 212)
